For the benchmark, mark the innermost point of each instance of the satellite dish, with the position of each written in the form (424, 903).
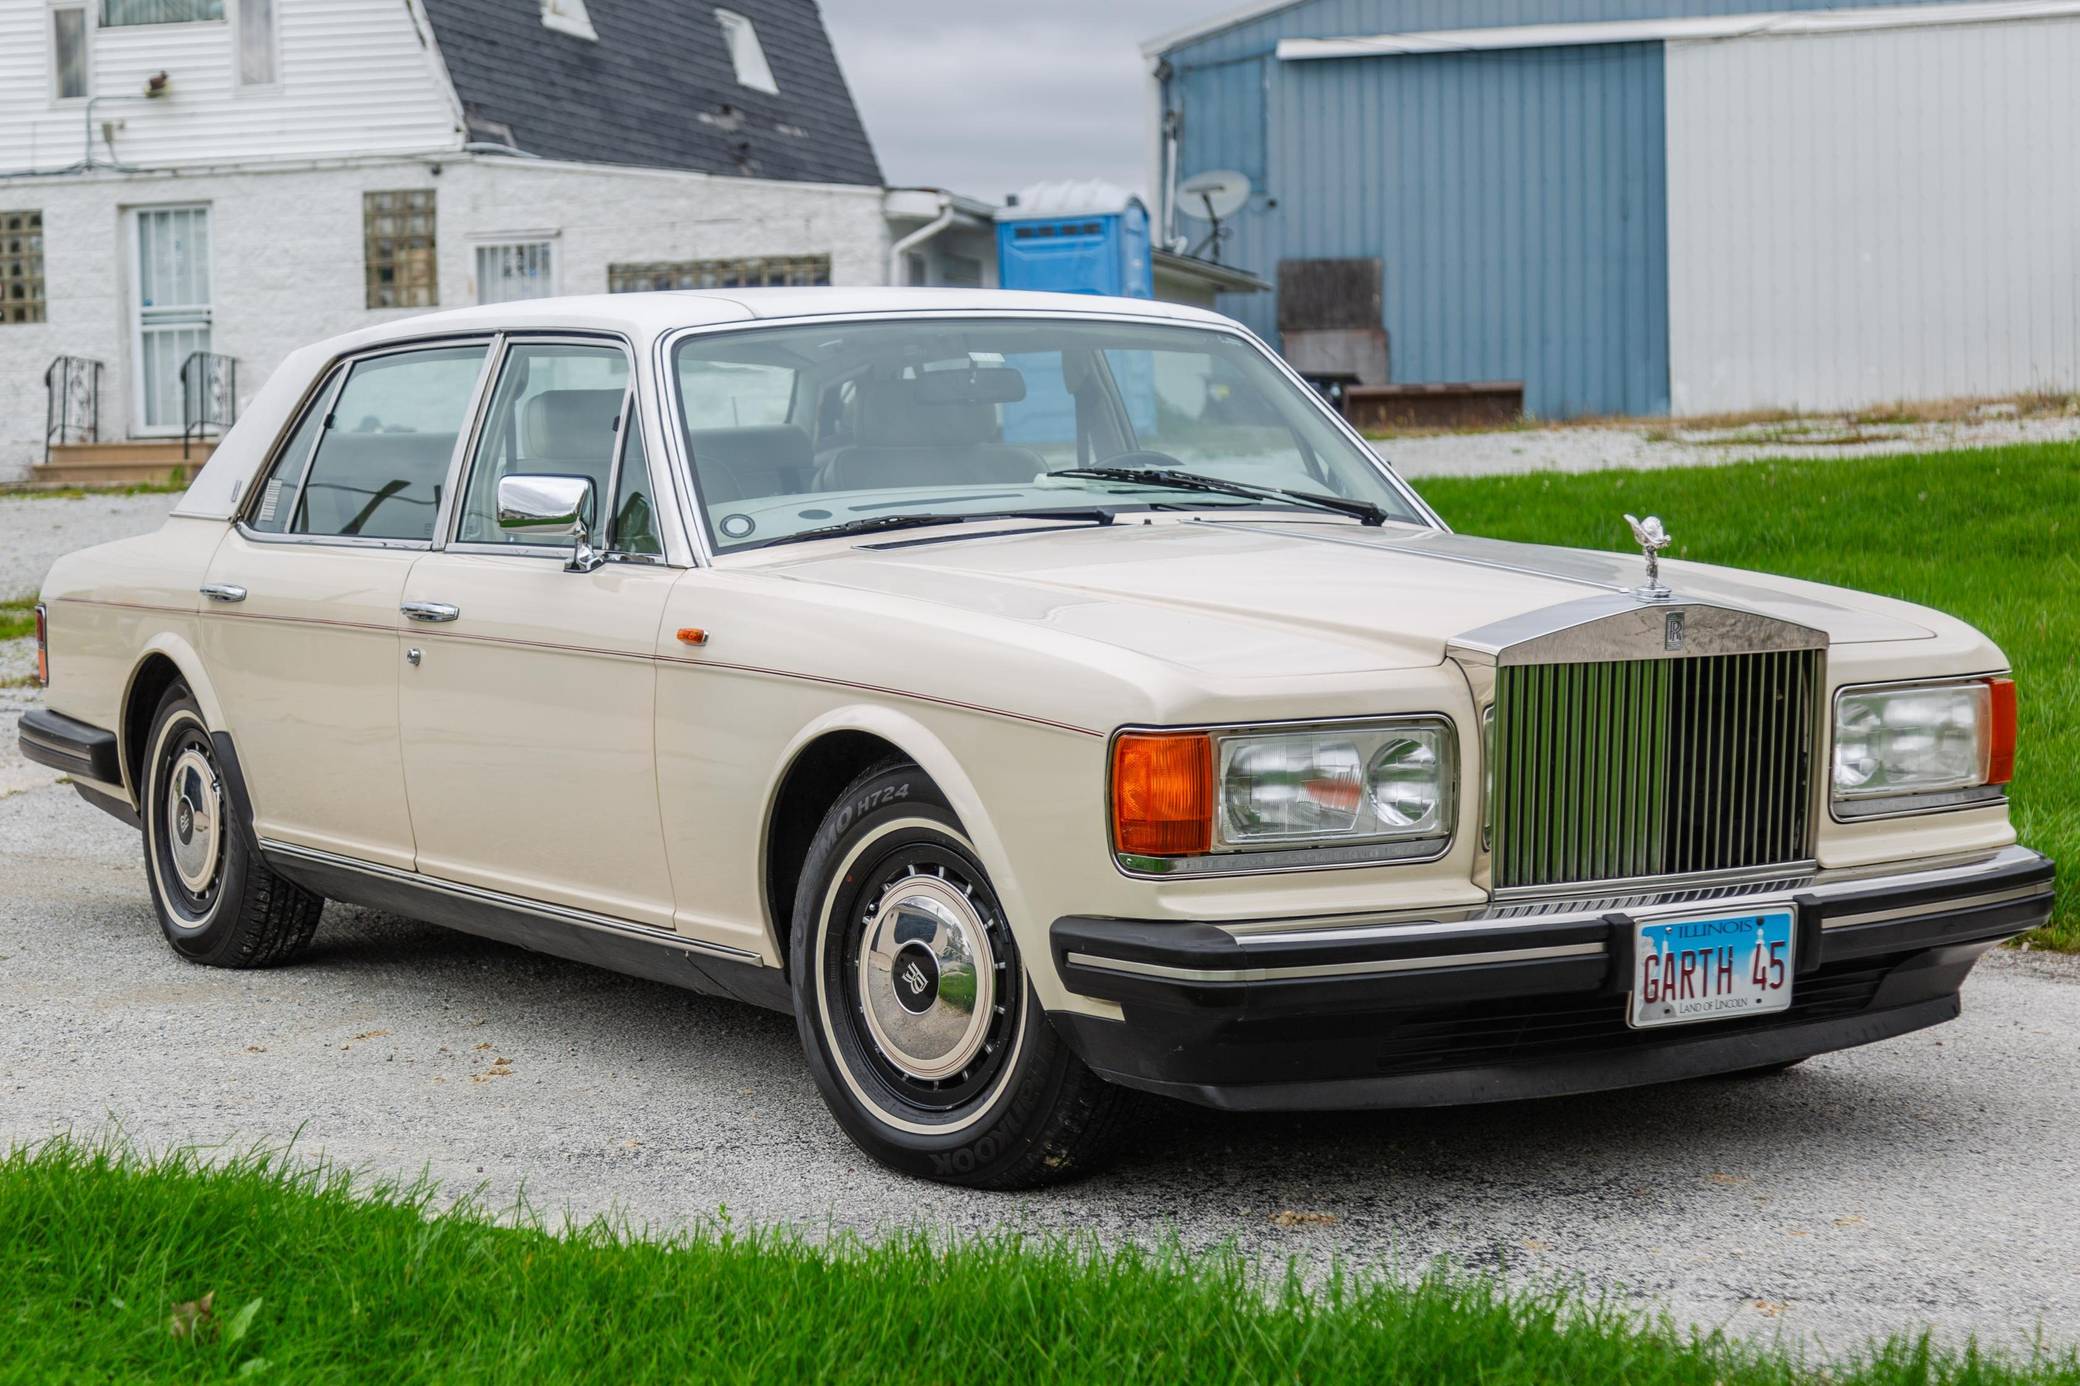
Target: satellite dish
(1214, 195)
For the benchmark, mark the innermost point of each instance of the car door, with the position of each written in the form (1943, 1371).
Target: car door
(528, 706)
(301, 640)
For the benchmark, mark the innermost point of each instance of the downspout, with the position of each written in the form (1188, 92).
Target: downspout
(898, 276)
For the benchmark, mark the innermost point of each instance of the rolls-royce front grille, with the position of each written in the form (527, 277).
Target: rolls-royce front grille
(1654, 767)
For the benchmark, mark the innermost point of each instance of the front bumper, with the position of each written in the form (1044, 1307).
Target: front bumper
(1518, 1000)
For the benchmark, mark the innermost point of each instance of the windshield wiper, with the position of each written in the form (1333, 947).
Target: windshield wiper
(869, 524)
(1364, 510)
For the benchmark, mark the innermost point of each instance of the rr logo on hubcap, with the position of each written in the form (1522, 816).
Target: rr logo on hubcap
(916, 978)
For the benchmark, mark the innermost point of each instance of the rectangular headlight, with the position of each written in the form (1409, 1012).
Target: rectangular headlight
(1279, 797)
(1933, 744)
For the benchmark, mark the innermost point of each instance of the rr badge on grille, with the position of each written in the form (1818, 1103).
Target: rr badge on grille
(1652, 540)
(1672, 638)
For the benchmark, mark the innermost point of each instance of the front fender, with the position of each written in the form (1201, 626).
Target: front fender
(921, 744)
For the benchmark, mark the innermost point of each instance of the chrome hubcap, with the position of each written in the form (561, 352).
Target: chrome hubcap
(927, 976)
(193, 820)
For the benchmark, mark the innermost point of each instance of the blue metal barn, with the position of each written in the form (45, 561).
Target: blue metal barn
(1515, 195)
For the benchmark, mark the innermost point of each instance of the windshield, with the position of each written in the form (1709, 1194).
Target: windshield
(800, 429)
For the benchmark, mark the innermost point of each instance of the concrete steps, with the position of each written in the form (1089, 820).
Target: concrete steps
(136, 463)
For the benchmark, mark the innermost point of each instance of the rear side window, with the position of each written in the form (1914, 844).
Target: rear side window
(373, 464)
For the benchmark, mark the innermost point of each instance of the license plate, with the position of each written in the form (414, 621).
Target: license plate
(1715, 968)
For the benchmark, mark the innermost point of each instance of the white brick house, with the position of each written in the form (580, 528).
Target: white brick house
(238, 177)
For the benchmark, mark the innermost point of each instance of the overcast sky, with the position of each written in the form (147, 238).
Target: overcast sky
(987, 96)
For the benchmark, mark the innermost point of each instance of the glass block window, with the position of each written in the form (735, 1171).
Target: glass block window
(765, 271)
(21, 267)
(117, 13)
(399, 250)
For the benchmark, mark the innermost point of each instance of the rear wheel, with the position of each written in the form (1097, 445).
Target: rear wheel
(921, 1028)
(218, 902)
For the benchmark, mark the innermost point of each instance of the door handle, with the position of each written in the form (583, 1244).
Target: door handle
(430, 611)
(223, 591)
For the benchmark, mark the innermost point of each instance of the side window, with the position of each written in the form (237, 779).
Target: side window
(555, 413)
(277, 505)
(634, 528)
(381, 454)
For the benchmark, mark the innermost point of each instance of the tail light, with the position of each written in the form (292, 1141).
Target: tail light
(2000, 755)
(43, 648)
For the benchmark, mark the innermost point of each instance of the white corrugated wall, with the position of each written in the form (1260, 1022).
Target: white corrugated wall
(1869, 217)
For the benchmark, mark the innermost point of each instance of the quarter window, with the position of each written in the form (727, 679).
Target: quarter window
(399, 250)
(508, 273)
(634, 525)
(69, 52)
(373, 466)
(746, 53)
(556, 412)
(116, 14)
(758, 272)
(21, 267)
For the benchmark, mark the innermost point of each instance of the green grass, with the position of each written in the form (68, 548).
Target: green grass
(1990, 536)
(172, 485)
(17, 618)
(314, 1277)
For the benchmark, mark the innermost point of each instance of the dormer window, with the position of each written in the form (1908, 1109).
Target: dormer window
(745, 51)
(569, 17)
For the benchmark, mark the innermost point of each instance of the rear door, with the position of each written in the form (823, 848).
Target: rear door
(529, 716)
(302, 636)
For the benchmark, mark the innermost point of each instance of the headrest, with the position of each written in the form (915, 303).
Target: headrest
(570, 424)
(771, 446)
(894, 414)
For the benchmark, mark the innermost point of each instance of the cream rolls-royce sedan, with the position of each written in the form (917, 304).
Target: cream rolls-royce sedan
(1042, 698)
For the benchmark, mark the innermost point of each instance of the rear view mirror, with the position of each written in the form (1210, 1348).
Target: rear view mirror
(975, 385)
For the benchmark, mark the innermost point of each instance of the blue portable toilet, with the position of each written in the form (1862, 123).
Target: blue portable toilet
(1088, 237)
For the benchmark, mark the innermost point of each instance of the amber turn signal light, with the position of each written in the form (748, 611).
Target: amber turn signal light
(2000, 756)
(43, 648)
(1162, 793)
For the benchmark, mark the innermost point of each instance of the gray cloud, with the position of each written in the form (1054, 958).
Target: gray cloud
(985, 98)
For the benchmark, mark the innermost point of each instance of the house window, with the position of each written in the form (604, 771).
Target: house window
(768, 271)
(521, 269)
(745, 51)
(69, 52)
(398, 249)
(21, 267)
(117, 13)
(568, 17)
(256, 48)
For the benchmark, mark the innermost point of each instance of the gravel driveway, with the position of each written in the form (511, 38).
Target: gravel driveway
(36, 530)
(1932, 1180)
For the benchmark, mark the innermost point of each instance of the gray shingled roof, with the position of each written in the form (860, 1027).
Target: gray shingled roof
(658, 89)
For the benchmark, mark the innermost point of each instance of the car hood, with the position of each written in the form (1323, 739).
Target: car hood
(1295, 597)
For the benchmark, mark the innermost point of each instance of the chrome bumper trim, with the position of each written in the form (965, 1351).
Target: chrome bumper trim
(1961, 902)
(1568, 909)
(1354, 969)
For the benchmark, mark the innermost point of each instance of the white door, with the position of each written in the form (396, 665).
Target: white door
(173, 308)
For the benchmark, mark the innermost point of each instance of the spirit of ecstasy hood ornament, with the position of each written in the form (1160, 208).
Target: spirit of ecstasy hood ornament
(1652, 540)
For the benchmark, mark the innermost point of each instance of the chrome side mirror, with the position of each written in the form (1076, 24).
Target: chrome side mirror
(552, 508)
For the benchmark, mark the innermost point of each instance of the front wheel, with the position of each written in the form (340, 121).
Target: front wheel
(921, 1029)
(218, 902)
